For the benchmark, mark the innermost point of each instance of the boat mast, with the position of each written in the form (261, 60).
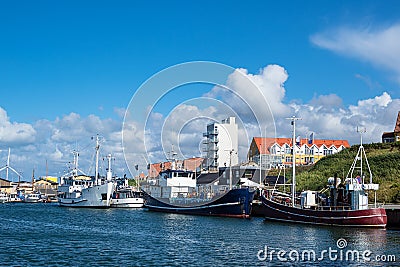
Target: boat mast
(8, 163)
(259, 161)
(33, 178)
(361, 155)
(76, 157)
(294, 119)
(97, 160)
(109, 171)
(230, 169)
(171, 157)
(361, 148)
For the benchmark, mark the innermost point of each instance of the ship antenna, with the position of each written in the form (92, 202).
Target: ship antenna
(294, 119)
(171, 157)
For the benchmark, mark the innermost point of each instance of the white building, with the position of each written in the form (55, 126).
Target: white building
(221, 144)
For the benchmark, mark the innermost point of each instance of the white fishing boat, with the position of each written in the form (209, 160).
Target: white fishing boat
(86, 191)
(14, 197)
(33, 198)
(4, 197)
(126, 196)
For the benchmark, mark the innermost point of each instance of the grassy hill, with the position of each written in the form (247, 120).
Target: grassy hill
(384, 160)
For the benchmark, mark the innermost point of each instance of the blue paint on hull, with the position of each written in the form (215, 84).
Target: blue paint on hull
(235, 203)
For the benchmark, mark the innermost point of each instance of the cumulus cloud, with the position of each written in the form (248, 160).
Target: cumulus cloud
(326, 102)
(255, 93)
(376, 114)
(325, 115)
(245, 95)
(52, 142)
(381, 47)
(14, 133)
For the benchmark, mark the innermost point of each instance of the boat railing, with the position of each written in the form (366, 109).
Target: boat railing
(188, 201)
(332, 208)
(379, 205)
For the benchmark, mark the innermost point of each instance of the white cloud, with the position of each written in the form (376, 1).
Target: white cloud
(14, 133)
(326, 102)
(376, 114)
(53, 142)
(325, 115)
(120, 112)
(255, 94)
(381, 47)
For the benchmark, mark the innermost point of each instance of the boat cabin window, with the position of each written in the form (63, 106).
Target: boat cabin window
(249, 173)
(176, 174)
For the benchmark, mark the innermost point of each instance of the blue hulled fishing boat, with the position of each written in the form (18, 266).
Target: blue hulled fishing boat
(177, 191)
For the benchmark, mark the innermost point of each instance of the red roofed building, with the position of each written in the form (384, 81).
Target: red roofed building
(192, 164)
(276, 151)
(390, 137)
(155, 168)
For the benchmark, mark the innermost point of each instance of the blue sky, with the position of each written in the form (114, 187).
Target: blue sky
(89, 57)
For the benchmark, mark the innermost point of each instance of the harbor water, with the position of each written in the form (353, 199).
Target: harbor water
(48, 235)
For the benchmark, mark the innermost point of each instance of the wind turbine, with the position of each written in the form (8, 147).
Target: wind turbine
(7, 167)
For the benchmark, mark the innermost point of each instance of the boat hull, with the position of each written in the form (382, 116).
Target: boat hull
(127, 203)
(375, 217)
(4, 199)
(33, 201)
(98, 196)
(235, 203)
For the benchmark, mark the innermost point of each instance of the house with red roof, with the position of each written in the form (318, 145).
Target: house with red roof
(390, 137)
(273, 152)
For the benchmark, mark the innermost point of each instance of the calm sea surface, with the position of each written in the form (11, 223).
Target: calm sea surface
(48, 235)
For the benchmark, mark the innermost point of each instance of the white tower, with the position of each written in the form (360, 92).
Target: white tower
(222, 139)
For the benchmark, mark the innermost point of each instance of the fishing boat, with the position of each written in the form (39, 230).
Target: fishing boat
(347, 204)
(177, 191)
(33, 198)
(126, 196)
(82, 191)
(15, 197)
(4, 197)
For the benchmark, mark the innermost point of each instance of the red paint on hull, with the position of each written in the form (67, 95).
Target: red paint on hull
(375, 217)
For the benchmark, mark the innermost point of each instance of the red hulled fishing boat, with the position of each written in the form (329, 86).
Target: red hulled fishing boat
(342, 203)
